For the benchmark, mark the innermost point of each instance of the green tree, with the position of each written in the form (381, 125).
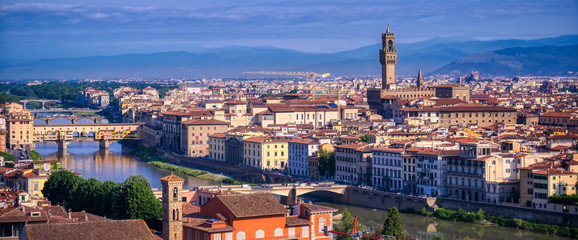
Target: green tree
(326, 163)
(105, 199)
(7, 157)
(392, 225)
(61, 186)
(345, 225)
(364, 138)
(35, 156)
(134, 199)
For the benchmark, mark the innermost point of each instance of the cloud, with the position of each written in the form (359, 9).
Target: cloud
(279, 21)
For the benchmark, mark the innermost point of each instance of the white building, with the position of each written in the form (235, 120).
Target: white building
(387, 168)
(299, 152)
(431, 169)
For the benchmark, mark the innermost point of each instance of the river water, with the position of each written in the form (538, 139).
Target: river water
(85, 158)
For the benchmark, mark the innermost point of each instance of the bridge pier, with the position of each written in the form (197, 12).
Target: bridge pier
(62, 145)
(103, 143)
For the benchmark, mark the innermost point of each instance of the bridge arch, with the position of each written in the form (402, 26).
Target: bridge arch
(58, 121)
(84, 121)
(38, 121)
(91, 133)
(75, 134)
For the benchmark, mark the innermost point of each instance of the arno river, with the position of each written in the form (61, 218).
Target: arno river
(85, 158)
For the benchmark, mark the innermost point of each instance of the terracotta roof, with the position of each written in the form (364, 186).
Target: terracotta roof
(252, 205)
(295, 221)
(317, 208)
(204, 122)
(218, 135)
(556, 114)
(172, 178)
(22, 214)
(105, 230)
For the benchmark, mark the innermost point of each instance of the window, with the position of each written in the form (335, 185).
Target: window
(240, 235)
(291, 232)
(175, 194)
(278, 232)
(322, 223)
(190, 235)
(216, 236)
(197, 236)
(228, 236)
(260, 234)
(305, 231)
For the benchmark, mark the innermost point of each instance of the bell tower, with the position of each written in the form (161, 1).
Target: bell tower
(388, 59)
(172, 207)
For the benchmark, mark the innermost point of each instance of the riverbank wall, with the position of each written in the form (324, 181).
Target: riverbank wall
(531, 215)
(361, 197)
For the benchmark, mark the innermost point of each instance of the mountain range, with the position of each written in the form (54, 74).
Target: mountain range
(547, 56)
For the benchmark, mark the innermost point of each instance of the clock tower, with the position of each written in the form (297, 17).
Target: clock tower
(388, 59)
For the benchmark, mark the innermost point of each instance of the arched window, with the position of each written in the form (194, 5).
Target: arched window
(390, 45)
(241, 235)
(278, 232)
(175, 194)
(260, 234)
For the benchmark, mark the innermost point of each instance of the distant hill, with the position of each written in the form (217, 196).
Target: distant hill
(232, 61)
(519, 61)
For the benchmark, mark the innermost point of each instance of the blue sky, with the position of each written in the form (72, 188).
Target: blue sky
(32, 29)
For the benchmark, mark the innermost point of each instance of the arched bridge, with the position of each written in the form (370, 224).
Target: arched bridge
(63, 134)
(74, 119)
(42, 101)
(288, 192)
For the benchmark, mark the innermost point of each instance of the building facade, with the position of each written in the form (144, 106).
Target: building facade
(195, 135)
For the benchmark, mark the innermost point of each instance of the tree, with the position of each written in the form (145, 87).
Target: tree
(35, 156)
(7, 157)
(364, 138)
(345, 225)
(134, 199)
(326, 162)
(392, 225)
(60, 187)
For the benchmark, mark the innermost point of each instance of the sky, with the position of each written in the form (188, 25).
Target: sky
(32, 29)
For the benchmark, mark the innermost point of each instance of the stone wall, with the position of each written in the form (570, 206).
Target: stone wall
(531, 215)
(361, 197)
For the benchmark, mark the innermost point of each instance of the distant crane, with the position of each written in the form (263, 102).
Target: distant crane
(310, 75)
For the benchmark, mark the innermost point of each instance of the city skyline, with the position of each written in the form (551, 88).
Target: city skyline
(40, 29)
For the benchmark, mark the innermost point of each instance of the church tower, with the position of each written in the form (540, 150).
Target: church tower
(172, 207)
(388, 58)
(419, 81)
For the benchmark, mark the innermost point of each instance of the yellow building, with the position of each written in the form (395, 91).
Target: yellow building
(536, 185)
(19, 126)
(266, 152)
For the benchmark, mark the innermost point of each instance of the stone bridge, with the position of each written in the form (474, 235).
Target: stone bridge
(288, 192)
(42, 101)
(63, 134)
(74, 119)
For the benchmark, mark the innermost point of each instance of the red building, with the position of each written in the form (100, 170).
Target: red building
(256, 216)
